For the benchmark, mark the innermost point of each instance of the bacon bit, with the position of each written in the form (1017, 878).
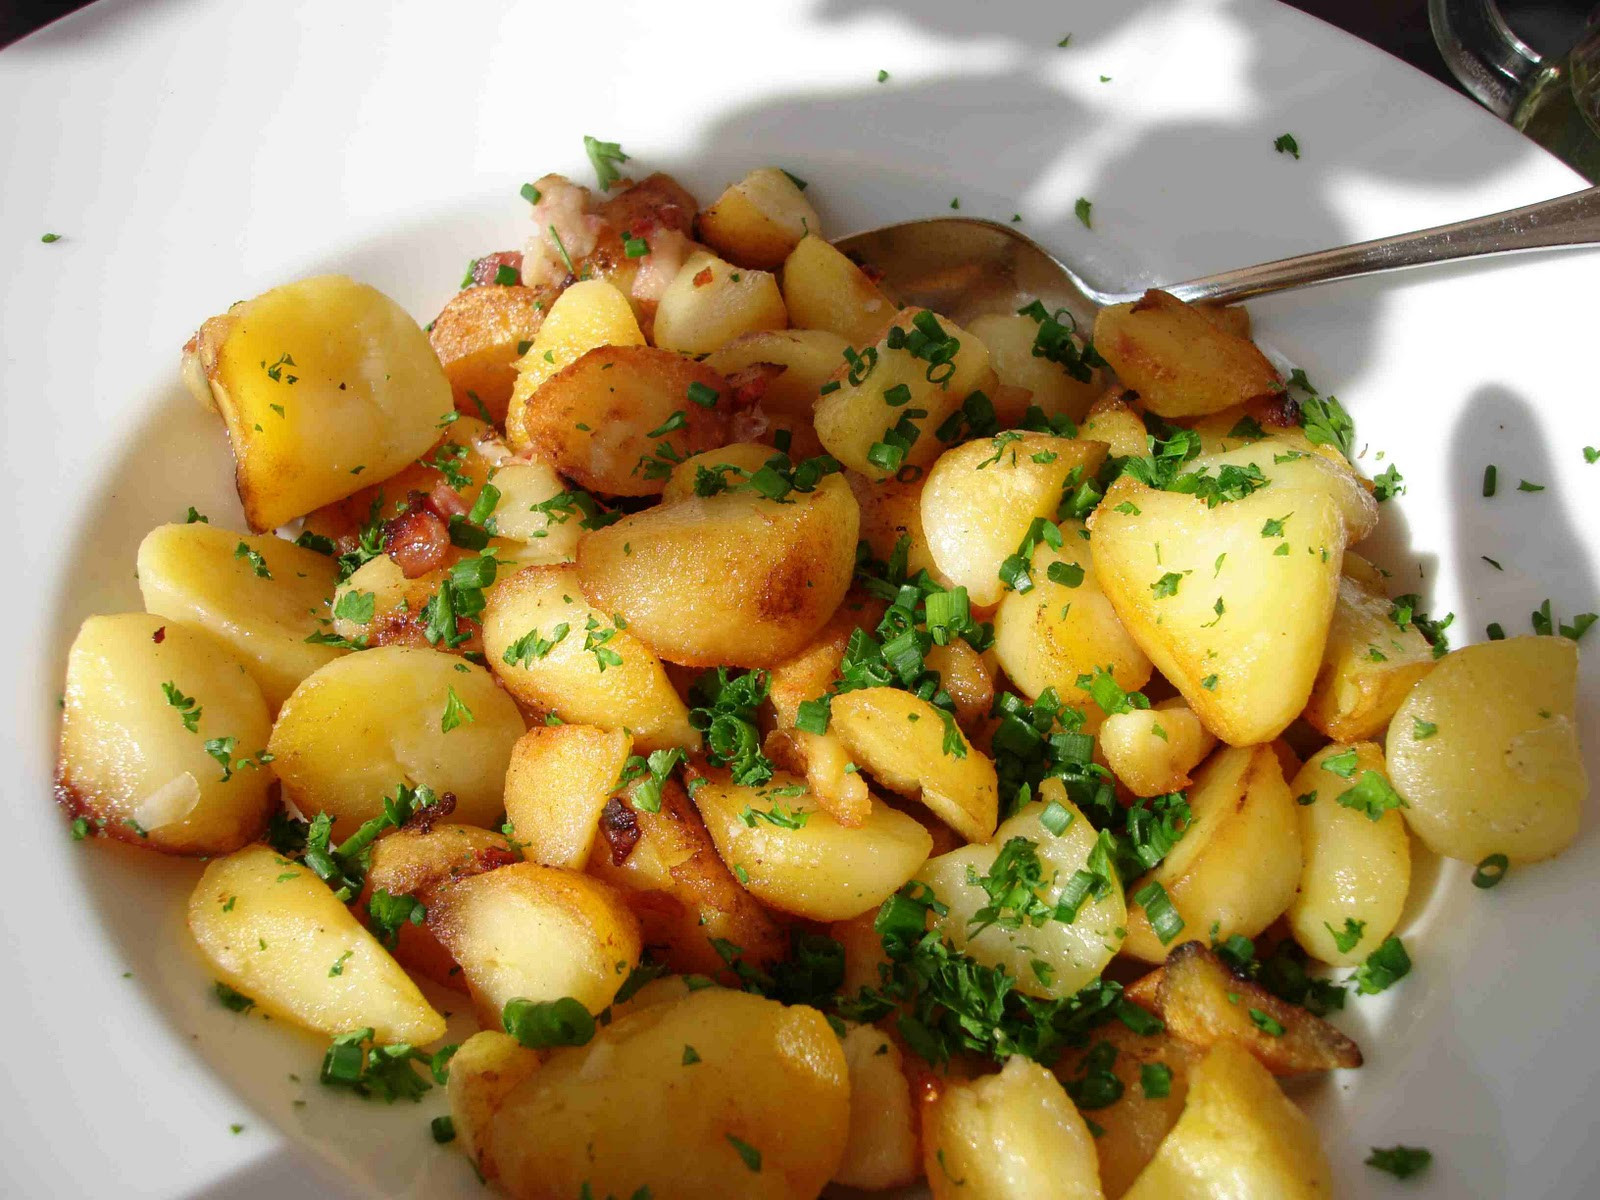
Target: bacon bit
(619, 825)
(748, 425)
(417, 540)
(702, 277)
(749, 384)
(485, 269)
(874, 274)
(656, 202)
(446, 502)
(159, 636)
(422, 818)
(1282, 411)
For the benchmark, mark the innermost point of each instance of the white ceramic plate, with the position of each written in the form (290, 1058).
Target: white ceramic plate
(193, 153)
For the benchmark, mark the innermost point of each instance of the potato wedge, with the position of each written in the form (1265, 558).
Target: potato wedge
(733, 579)
(261, 595)
(1356, 869)
(758, 221)
(982, 497)
(1058, 957)
(966, 675)
(136, 761)
(484, 1071)
(1368, 665)
(1010, 338)
(760, 1111)
(479, 336)
(667, 866)
(619, 417)
(807, 356)
(879, 395)
(890, 512)
(1115, 421)
(746, 456)
(588, 314)
(1152, 750)
(366, 722)
(535, 630)
(1238, 863)
(1239, 1136)
(881, 1151)
(797, 858)
(320, 381)
(1501, 773)
(815, 669)
(901, 741)
(536, 933)
(559, 779)
(829, 774)
(1011, 1136)
(823, 289)
(273, 931)
(710, 302)
(1180, 363)
(532, 523)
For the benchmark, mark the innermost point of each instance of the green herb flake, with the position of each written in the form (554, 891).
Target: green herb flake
(1082, 210)
(1490, 871)
(604, 157)
(1285, 143)
(1400, 1161)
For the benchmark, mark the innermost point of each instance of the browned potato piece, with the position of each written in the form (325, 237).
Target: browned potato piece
(133, 760)
(759, 220)
(1132, 1128)
(814, 669)
(1369, 665)
(1010, 338)
(710, 302)
(594, 419)
(1230, 318)
(414, 861)
(668, 868)
(559, 779)
(1204, 1002)
(1117, 423)
(882, 1148)
(486, 1070)
(966, 676)
(1152, 750)
(535, 933)
(734, 579)
(1180, 363)
(822, 759)
(891, 511)
(479, 336)
(825, 290)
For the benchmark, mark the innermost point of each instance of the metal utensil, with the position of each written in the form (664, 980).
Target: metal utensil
(963, 267)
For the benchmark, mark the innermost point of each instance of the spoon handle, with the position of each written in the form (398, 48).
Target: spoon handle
(1572, 220)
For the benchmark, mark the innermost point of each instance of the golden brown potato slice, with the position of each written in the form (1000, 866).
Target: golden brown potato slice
(273, 931)
(1011, 1136)
(321, 382)
(830, 775)
(158, 720)
(1501, 772)
(1117, 423)
(1368, 665)
(553, 652)
(479, 336)
(1239, 1136)
(710, 302)
(1203, 1002)
(759, 1110)
(746, 456)
(735, 578)
(560, 778)
(1152, 750)
(965, 674)
(881, 1151)
(814, 669)
(261, 595)
(486, 1070)
(759, 220)
(618, 419)
(364, 723)
(891, 511)
(536, 933)
(825, 290)
(1180, 363)
(1010, 338)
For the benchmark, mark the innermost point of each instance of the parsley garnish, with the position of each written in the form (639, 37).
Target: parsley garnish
(1082, 210)
(455, 712)
(1400, 1161)
(1349, 937)
(1385, 966)
(389, 913)
(651, 772)
(532, 645)
(188, 710)
(604, 157)
(1284, 143)
(1372, 794)
(253, 557)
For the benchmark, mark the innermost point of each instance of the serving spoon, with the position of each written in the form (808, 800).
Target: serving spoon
(964, 267)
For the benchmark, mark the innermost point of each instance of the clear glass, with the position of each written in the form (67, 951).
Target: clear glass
(1556, 102)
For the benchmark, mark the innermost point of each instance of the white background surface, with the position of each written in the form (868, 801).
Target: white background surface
(192, 154)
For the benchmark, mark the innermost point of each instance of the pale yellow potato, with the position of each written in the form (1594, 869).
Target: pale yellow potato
(734, 578)
(1010, 338)
(853, 416)
(1239, 1136)
(273, 931)
(863, 952)
(397, 604)
(1369, 664)
(1373, 578)
(1355, 868)
(899, 739)
(1238, 863)
(633, 695)
(1114, 421)
(747, 456)
(823, 289)
(824, 870)
(358, 386)
(1166, 561)
(966, 675)
(1011, 1136)
(588, 314)
(1180, 363)
(759, 220)
(710, 302)
(981, 498)
(195, 573)
(664, 989)
(1072, 954)
(667, 866)
(1294, 465)
(807, 356)
(478, 335)
(532, 932)
(596, 420)
(483, 1072)
(891, 511)
(1503, 774)
(1152, 750)
(363, 724)
(881, 1151)
(626, 1112)
(559, 779)
(830, 775)
(536, 538)
(1051, 635)
(128, 764)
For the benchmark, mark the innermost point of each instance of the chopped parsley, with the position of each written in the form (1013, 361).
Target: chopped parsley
(650, 772)
(1400, 1161)
(253, 557)
(188, 710)
(455, 712)
(604, 157)
(1372, 794)
(388, 914)
(1285, 143)
(1384, 967)
(1348, 938)
(1082, 210)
